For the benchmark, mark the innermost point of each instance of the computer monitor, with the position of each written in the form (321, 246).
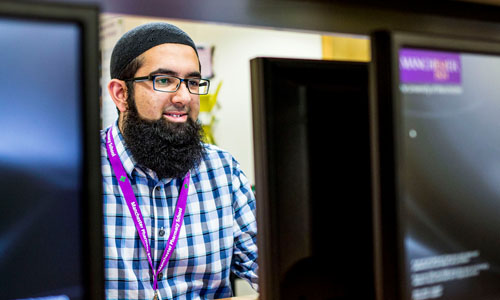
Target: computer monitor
(436, 141)
(51, 244)
(312, 183)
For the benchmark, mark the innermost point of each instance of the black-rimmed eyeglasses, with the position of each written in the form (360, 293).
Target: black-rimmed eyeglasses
(170, 84)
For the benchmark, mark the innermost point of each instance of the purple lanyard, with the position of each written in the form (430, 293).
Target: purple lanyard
(135, 211)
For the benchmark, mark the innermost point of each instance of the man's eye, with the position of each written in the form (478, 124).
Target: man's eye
(164, 81)
(194, 83)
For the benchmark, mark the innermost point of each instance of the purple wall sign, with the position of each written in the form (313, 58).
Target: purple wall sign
(429, 67)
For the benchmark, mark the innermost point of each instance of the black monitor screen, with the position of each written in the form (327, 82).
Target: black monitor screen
(450, 194)
(40, 160)
(437, 132)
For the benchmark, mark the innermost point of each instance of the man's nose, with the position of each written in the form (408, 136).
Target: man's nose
(182, 95)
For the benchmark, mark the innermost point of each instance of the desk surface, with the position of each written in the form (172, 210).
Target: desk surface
(254, 297)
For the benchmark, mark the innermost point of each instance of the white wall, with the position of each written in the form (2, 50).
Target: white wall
(234, 47)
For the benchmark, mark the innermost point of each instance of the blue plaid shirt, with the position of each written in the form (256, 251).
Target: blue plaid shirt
(218, 235)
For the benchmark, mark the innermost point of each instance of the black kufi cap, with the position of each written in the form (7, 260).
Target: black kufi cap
(142, 38)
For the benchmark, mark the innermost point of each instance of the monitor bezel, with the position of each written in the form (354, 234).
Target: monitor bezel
(86, 16)
(385, 115)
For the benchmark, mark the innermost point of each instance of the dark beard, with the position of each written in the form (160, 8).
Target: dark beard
(169, 149)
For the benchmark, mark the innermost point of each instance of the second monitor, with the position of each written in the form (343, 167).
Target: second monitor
(312, 163)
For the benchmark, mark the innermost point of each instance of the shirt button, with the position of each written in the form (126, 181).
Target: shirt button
(160, 276)
(162, 232)
(157, 188)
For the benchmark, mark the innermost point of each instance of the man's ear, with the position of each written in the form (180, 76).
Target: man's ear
(118, 91)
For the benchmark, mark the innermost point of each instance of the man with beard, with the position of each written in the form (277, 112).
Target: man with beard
(179, 215)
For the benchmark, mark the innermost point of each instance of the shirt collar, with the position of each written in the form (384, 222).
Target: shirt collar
(129, 163)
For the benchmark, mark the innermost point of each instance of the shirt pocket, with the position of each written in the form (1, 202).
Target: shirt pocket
(131, 253)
